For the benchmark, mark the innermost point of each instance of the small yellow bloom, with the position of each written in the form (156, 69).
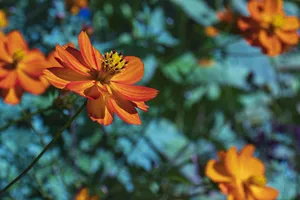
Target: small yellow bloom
(3, 19)
(83, 194)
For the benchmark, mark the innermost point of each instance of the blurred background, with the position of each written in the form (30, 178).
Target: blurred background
(215, 91)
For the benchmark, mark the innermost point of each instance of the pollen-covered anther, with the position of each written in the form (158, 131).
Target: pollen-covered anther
(114, 62)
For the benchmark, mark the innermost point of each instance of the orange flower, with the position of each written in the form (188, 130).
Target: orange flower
(240, 175)
(225, 15)
(206, 62)
(106, 80)
(75, 5)
(21, 69)
(268, 27)
(83, 194)
(211, 31)
(3, 19)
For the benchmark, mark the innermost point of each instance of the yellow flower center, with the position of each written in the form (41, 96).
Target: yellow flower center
(271, 22)
(18, 55)
(278, 21)
(113, 62)
(258, 180)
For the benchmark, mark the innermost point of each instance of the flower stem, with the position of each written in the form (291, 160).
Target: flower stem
(57, 135)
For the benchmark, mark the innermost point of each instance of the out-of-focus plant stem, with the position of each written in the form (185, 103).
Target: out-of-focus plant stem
(57, 135)
(25, 117)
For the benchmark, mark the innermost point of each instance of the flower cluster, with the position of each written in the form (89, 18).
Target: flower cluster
(21, 68)
(240, 175)
(268, 27)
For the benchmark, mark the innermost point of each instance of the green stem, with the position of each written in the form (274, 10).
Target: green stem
(58, 134)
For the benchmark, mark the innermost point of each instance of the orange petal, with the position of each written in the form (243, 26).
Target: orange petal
(9, 81)
(141, 105)
(125, 110)
(83, 194)
(270, 42)
(90, 55)
(71, 61)
(273, 7)
(34, 86)
(3, 72)
(52, 61)
(68, 74)
(217, 172)
(231, 162)
(54, 80)
(77, 54)
(60, 77)
(15, 42)
(93, 92)
(247, 151)
(80, 86)
(132, 73)
(251, 167)
(290, 23)
(290, 38)
(263, 193)
(239, 191)
(2, 36)
(4, 55)
(33, 55)
(94, 198)
(12, 96)
(254, 10)
(99, 111)
(44, 81)
(33, 64)
(245, 23)
(135, 93)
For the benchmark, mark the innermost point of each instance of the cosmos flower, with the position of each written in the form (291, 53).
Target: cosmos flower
(106, 80)
(83, 194)
(75, 5)
(206, 62)
(21, 69)
(226, 15)
(3, 20)
(211, 31)
(268, 27)
(240, 175)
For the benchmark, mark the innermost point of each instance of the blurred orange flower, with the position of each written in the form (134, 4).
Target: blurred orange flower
(21, 69)
(268, 27)
(240, 175)
(83, 194)
(89, 29)
(106, 80)
(3, 20)
(225, 15)
(75, 5)
(206, 62)
(211, 31)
